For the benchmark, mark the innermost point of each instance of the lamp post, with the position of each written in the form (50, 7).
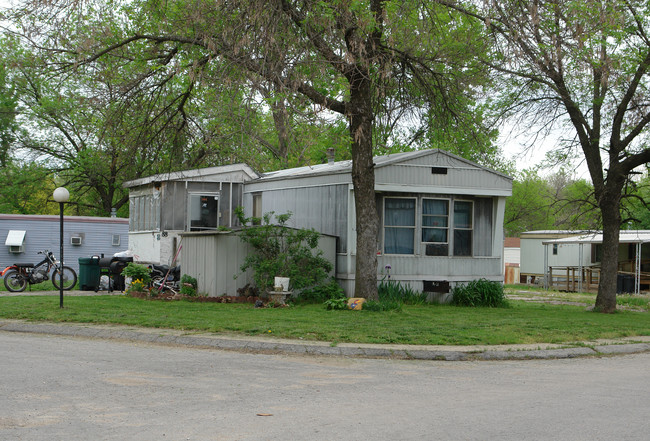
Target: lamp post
(61, 195)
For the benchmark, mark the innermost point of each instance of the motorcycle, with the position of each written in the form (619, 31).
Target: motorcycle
(18, 275)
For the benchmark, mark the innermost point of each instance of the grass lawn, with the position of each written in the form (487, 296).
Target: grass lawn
(523, 322)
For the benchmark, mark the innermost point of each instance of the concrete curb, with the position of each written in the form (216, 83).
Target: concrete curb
(277, 346)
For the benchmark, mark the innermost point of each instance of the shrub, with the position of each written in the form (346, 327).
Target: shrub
(138, 271)
(321, 293)
(188, 285)
(480, 292)
(336, 304)
(279, 250)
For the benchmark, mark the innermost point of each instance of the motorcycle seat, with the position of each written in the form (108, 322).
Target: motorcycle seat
(24, 265)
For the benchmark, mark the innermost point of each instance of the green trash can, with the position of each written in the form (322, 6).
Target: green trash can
(89, 273)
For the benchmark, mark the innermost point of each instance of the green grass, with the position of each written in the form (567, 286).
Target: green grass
(523, 322)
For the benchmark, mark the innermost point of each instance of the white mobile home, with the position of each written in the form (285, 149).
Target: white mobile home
(25, 235)
(532, 250)
(441, 216)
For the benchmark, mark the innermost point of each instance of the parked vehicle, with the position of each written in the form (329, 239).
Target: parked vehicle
(18, 275)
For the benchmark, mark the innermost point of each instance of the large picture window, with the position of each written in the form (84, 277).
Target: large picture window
(399, 226)
(463, 226)
(435, 226)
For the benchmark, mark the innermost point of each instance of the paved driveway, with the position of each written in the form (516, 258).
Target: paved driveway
(66, 388)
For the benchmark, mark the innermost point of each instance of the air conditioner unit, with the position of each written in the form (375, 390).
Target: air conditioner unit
(16, 249)
(75, 240)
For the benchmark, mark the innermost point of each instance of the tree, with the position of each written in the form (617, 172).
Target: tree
(370, 62)
(8, 102)
(555, 202)
(581, 66)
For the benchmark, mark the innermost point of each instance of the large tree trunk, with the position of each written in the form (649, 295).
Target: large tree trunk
(610, 209)
(363, 178)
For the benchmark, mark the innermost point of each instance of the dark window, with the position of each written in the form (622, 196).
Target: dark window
(204, 212)
(399, 226)
(463, 228)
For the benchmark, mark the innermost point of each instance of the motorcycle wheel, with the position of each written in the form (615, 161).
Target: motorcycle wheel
(15, 282)
(69, 278)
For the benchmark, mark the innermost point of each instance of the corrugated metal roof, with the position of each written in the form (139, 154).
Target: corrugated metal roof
(380, 161)
(200, 173)
(627, 236)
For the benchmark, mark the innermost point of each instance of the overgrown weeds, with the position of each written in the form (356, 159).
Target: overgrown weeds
(480, 293)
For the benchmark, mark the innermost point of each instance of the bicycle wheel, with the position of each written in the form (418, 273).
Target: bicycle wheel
(157, 284)
(69, 278)
(15, 282)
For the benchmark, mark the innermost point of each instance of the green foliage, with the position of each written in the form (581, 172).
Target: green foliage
(393, 291)
(525, 322)
(188, 285)
(137, 271)
(481, 293)
(336, 304)
(281, 251)
(321, 293)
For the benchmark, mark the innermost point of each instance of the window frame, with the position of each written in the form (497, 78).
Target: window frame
(460, 229)
(424, 227)
(211, 194)
(413, 228)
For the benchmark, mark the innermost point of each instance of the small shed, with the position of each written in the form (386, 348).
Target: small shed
(511, 257)
(84, 236)
(214, 258)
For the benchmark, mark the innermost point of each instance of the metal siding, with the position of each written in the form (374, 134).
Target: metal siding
(44, 234)
(457, 269)
(321, 208)
(215, 258)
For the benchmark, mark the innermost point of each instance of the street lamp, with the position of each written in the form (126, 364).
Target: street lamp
(61, 195)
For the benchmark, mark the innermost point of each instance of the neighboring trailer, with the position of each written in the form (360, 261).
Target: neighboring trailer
(25, 235)
(561, 254)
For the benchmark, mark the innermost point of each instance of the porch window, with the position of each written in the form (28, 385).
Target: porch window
(204, 212)
(399, 226)
(463, 226)
(257, 208)
(145, 212)
(435, 226)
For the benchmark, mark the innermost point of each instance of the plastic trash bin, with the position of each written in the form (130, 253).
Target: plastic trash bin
(89, 273)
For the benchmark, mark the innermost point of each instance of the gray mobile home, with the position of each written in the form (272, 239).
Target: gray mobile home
(25, 235)
(163, 206)
(441, 216)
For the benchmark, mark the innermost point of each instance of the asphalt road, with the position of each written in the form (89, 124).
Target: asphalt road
(67, 388)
